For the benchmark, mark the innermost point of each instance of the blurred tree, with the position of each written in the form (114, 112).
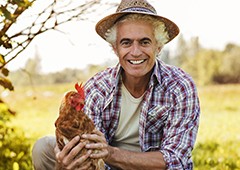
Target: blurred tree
(186, 50)
(65, 76)
(194, 46)
(33, 65)
(15, 153)
(32, 70)
(181, 51)
(208, 66)
(229, 71)
(55, 13)
(203, 66)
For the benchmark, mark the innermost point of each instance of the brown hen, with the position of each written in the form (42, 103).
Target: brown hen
(72, 121)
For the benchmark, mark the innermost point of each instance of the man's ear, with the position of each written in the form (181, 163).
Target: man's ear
(159, 49)
(114, 49)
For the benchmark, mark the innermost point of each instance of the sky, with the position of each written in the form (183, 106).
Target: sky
(215, 22)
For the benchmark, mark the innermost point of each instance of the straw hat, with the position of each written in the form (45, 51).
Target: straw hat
(135, 7)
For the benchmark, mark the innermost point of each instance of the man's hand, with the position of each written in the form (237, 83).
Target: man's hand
(68, 158)
(100, 144)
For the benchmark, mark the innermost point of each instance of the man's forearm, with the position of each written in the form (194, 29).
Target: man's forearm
(124, 159)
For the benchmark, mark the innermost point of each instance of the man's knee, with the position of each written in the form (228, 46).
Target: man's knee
(43, 156)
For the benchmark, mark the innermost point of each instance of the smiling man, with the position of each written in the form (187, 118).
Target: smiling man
(136, 48)
(146, 112)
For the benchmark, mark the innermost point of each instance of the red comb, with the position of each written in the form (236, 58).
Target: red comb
(80, 90)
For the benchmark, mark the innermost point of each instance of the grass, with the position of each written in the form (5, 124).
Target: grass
(218, 140)
(220, 113)
(37, 109)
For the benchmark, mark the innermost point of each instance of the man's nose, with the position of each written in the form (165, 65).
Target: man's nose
(136, 50)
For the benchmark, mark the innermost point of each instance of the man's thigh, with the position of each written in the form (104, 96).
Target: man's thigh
(43, 155)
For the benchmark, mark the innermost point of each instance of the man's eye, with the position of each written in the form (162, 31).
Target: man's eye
(125, 43)
(145, 42)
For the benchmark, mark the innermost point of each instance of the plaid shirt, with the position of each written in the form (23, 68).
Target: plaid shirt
(169, 115)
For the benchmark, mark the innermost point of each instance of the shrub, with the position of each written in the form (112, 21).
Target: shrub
(14, 146)
(214, 156)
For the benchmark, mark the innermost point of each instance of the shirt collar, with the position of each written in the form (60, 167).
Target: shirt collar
(117, 74)
(155, 77)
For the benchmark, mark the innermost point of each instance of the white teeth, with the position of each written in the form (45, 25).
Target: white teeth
(136, 61)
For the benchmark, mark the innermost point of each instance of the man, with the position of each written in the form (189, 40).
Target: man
(146, 112)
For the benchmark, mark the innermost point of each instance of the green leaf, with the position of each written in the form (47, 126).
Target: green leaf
(6, 13)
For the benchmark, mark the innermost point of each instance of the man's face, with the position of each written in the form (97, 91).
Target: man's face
(136, 48)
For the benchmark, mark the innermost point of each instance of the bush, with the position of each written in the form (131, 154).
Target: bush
(14, 146)
(214, 156)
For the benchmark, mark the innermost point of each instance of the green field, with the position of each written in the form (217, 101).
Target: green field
(218, 141)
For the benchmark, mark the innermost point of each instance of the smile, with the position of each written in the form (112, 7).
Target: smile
(136, 62)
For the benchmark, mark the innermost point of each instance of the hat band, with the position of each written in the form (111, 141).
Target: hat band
(138, 9)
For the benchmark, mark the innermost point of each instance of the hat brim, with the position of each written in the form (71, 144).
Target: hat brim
(107, 22)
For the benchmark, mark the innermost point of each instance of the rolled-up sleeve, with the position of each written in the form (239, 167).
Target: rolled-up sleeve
(181, 126)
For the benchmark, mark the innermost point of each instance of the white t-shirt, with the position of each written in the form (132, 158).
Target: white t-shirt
(127, 133)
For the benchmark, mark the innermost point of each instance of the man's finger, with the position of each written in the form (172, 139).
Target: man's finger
(67, 148)
(71, 144)
(79, 161)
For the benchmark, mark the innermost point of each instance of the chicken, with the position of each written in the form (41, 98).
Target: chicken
(72, 121)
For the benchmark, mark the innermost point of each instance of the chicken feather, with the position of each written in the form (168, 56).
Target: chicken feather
(72, 121)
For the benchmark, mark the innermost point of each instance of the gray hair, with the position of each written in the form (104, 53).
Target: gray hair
(160, 32)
